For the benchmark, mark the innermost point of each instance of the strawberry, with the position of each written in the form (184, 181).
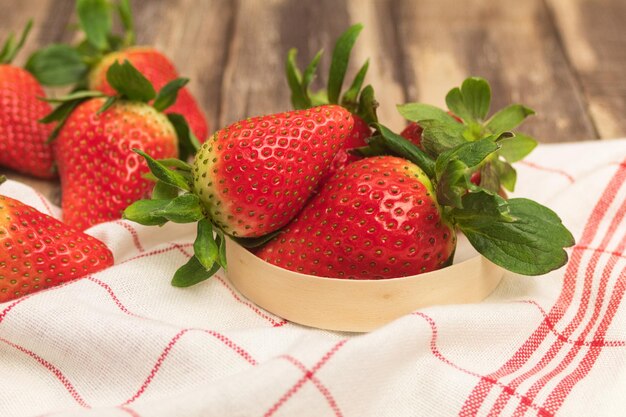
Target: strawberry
(159, 70)
(413, 132)
(23, 141)
(86, 64)
(360, 103)
(255, 175)
(248, 180)
(100, 175)
(377, 218)
(40, 252)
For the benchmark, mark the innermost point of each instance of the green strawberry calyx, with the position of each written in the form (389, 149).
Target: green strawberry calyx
(131, 85)
(2, 179)
(173, 200)
(471, 103)
(12, 46)
(518, 234)
(358, 101)
(61, 64)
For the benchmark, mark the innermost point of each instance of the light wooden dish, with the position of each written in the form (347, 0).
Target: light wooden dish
(357, 305)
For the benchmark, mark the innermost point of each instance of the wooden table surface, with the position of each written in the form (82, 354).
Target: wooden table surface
(566, 59)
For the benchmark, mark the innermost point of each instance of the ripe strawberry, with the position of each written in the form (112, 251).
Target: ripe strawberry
(377, 218)
(100, 175)
(360, 103)
(40, 252)
(23, 141)
(86, 64)
(413, 132)
(255, 175)
(159, 70)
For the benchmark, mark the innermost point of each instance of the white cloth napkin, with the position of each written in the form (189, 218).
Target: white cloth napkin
(123, 342)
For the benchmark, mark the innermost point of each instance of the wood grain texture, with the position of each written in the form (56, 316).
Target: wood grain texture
(594, 35)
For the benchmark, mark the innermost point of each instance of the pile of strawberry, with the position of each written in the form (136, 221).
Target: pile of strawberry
(324, 189)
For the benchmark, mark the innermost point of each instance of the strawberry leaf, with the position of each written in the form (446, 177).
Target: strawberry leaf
(143, 212)
(163, 173)
(506, 174)
(221, 244)
(188, 144)
(517, 147)
(299, 98)
(439, 136)
(10, 48)
(367, 105)
(57, 65)
(470, 153)
(205, 247)
(126, 17)
(107, 104)
(349, 99)
(339, 62)
(169, 93)
(470, 102)
(129, 82)
(508, 118)
(399, 146)
(163, 191)
(176, 163)
(193, 272)
(185, 208)
(531, 244)
(452, 184)
(309, 74)
(94, 17)
(416, 112)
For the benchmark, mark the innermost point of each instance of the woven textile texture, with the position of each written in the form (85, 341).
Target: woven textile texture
(123, 342)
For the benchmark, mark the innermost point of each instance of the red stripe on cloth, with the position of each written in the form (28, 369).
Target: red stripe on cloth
(318, 384)
(562, 390)
(308, 375)
(569, 177)
(116, 300)
(129, 411)
(251, 306)
(606, 273)
(578, 342)
(133, 233)
(55, 371)
(574, 323)
(157, 366)
(437, 353)
(478, 394)
(45, 203)
(620, 254)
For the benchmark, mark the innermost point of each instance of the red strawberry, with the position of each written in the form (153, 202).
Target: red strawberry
(23, 141)
(413, 132)
(375, 219)
(40, 252)
(159, 70)
(100, 175)
(255, 175)
(360, 132)
(87, 63)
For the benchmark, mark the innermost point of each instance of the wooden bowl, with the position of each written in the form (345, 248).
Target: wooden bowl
(357, 305)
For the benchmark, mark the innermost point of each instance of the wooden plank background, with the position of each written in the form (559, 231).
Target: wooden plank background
(564, 58)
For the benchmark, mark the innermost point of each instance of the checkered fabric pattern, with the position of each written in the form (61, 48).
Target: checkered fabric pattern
(123, 342)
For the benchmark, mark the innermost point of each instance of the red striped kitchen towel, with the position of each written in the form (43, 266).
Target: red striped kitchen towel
(123, 342)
